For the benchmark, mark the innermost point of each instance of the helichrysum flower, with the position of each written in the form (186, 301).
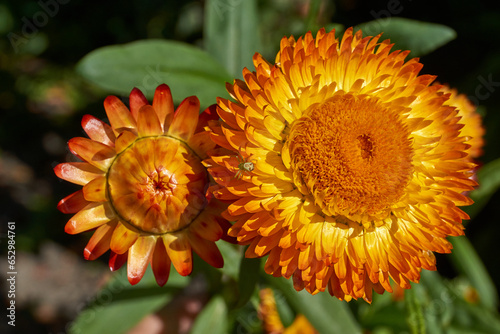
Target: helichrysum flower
(271, 320)
(473, 128)
(144, 186)
(354, 165)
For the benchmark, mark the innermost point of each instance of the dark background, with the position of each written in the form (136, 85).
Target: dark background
(42, 101)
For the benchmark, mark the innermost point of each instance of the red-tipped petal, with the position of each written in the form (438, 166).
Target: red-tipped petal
(77, 172)
(99, 243)
(207, 250)
(136, 101)
(164, 106)
(209, 114)
(92, 216)
(179, 251)
(148, 123)
(123, 238)
(185, 119)
(116, 261)
(95, 153)
(119, 115)
(72, 203)
(139, 256)
(161, 263)
(201, 143)
(98, 130)
(95, 190)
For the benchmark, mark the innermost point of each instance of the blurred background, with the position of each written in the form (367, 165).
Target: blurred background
(43, 98)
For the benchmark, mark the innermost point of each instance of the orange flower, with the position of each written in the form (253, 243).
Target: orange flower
(144, 186)
(271, 318)
(357, 165)
(473, 128)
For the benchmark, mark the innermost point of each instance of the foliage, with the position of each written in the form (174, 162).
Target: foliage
(465, 303)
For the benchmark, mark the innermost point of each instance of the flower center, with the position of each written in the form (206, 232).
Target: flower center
(157, 185)
(353, 154)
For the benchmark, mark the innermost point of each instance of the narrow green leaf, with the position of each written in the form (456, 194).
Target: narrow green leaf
(247, 279)
(232, 33)
(419, 37)
(326, 313)
(148, 63)
(212, 319)
(489, 182)
(120, 306)
(467, 262)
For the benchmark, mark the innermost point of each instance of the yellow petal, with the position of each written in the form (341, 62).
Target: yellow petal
(123, 238)
(95, 190)
(179, 251)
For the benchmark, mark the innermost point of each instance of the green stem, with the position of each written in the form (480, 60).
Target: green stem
(312, 16)
(415, 314)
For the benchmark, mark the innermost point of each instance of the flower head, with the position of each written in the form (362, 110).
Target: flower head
(473, 128)
(271, 321)
(144, 186)
(357, 163)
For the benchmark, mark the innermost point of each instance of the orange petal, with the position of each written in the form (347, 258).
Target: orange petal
(116, 261)
(201, 143)
(77, 172)
(139, 256)
(185, 119)
(136, 101)
(99, 243)
(92, 216)
(98, 130)
(95, 190)
(209, 114)
(164, 106)
(123, 238)
(179, 251)
(124, 140)
(95, 153)
(72, 203)
(148, 123)
(207, 227)
(161, 263)
(207, 250)
(119, 115)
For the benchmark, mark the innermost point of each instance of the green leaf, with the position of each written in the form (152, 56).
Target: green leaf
(326, 313)
(232, 33)
(248, 277)
(232, 255)
(467, 262)
(212, 319)
(120, 306)
(419, 37)
(489, 182)
(148, 63)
